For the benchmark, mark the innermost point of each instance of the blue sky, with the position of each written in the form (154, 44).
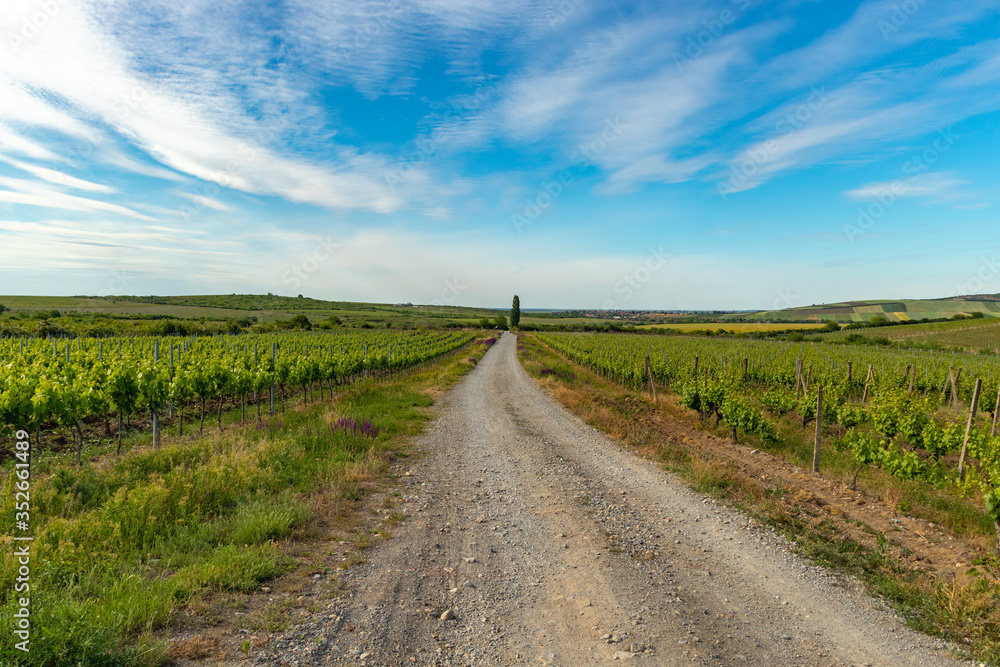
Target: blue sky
(580, 153)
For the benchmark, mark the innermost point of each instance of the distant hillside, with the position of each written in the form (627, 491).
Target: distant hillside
(970, 335)
(904, 310)
(253, 308)
(248, 302)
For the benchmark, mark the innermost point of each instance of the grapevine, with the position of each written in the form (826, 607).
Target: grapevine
(903, 411)
(62, 384)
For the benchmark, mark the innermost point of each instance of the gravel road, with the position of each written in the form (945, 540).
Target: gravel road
(532, 538)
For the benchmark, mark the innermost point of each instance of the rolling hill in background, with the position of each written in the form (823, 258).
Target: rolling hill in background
(269, 308)
(263, 309)
(894, 310)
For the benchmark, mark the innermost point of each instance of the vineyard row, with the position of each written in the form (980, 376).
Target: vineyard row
(45, 383)
(914, 414)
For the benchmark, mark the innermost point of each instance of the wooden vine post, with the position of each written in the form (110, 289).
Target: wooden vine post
(868, 379)
(819, 426)
(156, 419)
(954, 390)
(952, 382)
(993, 426)
(649, 375)
(274, 353)
(170, 404)
(799, 381)
(968, 429)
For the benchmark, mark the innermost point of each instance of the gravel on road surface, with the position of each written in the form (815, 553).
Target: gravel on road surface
(532, 538)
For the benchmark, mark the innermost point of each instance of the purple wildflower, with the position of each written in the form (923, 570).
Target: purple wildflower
(358, 428)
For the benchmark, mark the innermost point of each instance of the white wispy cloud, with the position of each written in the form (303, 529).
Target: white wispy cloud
(931, 185)
(875, 28)
(466, 268)
(377, 47)
(136, 238)
(21, 107)
(116, 158)
(204, 201)
(32, 193)
(105, 257)
(204, 103)
(14, 142)
(622, 96)
(57, 177)
(68, 202)
(674, 106)
(870, 114)
(202, 135)
(220, 112)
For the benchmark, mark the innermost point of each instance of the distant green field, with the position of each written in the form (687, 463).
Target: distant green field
(737, 327)
(265, 309)
(549, 320)
(898, 310)
(977, 334)
(268, 309)
(48, 302)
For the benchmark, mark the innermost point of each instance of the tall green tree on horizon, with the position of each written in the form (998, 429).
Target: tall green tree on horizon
(515, 312)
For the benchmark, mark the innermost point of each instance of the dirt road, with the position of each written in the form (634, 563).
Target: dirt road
(540, 541)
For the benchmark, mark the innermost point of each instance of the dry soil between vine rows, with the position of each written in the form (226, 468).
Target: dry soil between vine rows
(541, 541)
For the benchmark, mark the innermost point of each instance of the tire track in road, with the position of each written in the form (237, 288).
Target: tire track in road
(551, 544)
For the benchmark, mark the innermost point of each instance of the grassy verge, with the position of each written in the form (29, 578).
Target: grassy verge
(965, 610)
(129, 547)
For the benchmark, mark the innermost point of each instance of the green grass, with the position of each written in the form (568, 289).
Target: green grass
(258, 522)
(124, 541)
(230, 568)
